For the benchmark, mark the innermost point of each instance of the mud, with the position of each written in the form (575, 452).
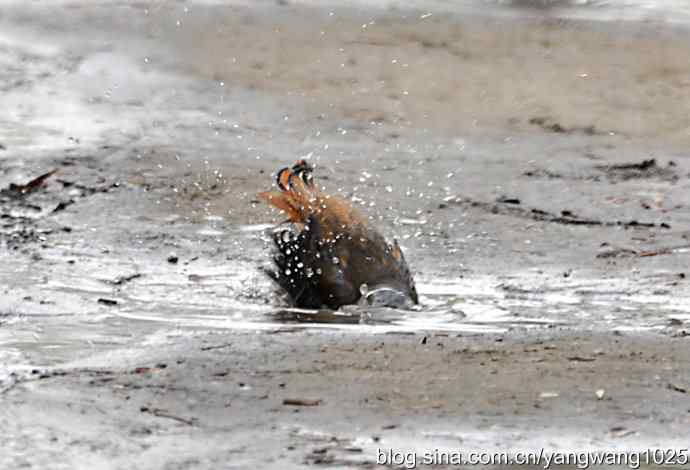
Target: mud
(213, 398)
(551, 256)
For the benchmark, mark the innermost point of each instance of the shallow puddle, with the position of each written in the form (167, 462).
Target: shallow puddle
(89, 303)
(212, 298)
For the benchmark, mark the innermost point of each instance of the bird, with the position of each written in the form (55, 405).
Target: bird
(329, 255)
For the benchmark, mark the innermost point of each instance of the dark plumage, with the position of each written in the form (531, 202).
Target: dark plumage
(331, 255)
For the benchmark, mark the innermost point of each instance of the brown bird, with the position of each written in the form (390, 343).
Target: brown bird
(331, 256)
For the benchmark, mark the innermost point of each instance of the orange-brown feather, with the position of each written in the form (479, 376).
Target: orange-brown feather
(300, 201)
(283, 202)
(295, 198)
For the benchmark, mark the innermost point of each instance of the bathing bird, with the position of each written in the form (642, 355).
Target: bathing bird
(329, 255)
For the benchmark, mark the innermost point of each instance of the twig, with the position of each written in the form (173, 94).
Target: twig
(218, 346)
(663, 251)
(33, 184)
(581, 359)
(301, 402)
(164, 414)
(118, 281)
(676, 388)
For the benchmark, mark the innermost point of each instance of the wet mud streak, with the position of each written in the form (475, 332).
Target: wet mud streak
(549, 125)
(25, 208)
(641, 170)
(566, 217)
(646, 169)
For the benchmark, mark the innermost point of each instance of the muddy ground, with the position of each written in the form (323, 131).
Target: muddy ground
(534, 168)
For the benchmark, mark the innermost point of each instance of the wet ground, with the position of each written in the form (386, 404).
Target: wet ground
(533, 167)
